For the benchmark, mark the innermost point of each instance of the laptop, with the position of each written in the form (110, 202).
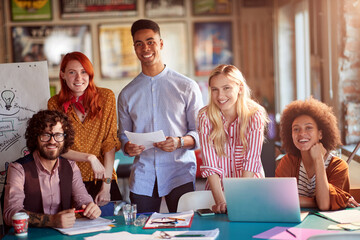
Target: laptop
(262, 199)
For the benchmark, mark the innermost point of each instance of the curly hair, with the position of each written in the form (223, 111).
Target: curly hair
(40, 121)
(323, 116)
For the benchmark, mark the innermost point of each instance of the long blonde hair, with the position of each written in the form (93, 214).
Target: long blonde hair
(245, 108)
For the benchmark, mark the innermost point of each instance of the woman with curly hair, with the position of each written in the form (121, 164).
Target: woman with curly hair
(92, 111)
(309, 132)
(231, 132)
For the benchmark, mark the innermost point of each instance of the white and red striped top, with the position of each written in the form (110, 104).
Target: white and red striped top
(236, 160)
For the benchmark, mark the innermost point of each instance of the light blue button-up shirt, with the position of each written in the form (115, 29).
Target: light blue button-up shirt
(169, 102)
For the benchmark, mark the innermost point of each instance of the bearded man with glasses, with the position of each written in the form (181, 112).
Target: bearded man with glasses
(44, 185)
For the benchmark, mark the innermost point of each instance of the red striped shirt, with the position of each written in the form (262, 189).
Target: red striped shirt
(236, 159)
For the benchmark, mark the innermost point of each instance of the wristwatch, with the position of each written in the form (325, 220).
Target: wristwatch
(107, 180)
(181, 142)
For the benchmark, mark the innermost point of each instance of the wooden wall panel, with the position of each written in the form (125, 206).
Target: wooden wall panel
(257, 53)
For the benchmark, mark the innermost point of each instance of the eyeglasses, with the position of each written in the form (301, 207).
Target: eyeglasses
(58, 137)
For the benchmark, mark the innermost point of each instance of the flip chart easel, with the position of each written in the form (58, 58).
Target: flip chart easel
(24, 90)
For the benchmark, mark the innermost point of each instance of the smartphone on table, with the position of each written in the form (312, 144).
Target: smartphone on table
(205, 212)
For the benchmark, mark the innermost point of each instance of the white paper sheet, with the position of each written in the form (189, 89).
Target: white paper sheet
(85, 225)
(192, 234)
(146, 139)
(120, 235)
(343, 216)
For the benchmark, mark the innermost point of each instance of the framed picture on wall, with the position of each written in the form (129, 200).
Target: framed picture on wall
(211, 7)
(164, 8)
(50, 43)
(23, 10)
(117, 56)
(175, 52)
(91, 8)
(212, 46)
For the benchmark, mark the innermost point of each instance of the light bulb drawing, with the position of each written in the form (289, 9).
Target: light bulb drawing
(8, 97)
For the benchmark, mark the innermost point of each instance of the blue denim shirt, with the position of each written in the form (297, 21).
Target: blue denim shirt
(168, 102)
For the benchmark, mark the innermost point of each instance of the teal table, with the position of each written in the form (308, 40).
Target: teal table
(228, 230)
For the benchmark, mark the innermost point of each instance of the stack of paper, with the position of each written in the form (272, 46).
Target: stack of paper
(170, 220)
(85, 225)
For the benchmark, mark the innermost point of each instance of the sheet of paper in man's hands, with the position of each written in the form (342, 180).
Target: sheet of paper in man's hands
(146, 139)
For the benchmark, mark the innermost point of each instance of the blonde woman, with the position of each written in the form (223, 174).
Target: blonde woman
(231, 131)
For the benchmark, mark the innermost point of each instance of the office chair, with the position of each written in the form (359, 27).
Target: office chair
(195, 200)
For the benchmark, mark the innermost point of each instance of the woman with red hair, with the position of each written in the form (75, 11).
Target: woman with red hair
(92, 111)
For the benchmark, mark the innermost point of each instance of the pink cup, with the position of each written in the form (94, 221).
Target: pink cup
(20, 223)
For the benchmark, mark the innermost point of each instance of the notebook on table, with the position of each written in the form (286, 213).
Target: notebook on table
(262, 199)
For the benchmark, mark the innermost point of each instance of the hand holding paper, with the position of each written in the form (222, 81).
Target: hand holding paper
(146, 139)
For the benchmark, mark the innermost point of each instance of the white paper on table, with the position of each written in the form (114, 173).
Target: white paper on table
(206, 234)
(120, 235)
(343, 216)
(85, 225)
(146, 139)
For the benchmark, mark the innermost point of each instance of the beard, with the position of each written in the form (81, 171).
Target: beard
(51, 155)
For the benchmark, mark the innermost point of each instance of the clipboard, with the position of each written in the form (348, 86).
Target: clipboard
(170, 220)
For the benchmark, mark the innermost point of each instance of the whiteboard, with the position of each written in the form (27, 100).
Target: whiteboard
(24, 90)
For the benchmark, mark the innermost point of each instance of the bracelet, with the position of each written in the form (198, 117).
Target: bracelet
(181, 142)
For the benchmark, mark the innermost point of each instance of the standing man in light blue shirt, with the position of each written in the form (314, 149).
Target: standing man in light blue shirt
(159, 99)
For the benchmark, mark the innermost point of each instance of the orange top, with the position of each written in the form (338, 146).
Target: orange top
(337, 174)
(95, 136)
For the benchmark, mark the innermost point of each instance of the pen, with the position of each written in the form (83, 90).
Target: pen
(292, 234)
(79, 211)
(190, 235)
(176, 219)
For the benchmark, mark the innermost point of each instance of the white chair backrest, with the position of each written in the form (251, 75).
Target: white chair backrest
(195, 200)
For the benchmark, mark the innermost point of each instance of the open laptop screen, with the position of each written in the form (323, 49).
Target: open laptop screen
(262, 199)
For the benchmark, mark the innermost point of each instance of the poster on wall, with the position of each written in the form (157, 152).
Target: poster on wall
(97, 8)
(164, 8)
(117, 56)
(212, 7)
(212, 46)
(27, 10)
(49, 43)
(24, 91)
(175, 51)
